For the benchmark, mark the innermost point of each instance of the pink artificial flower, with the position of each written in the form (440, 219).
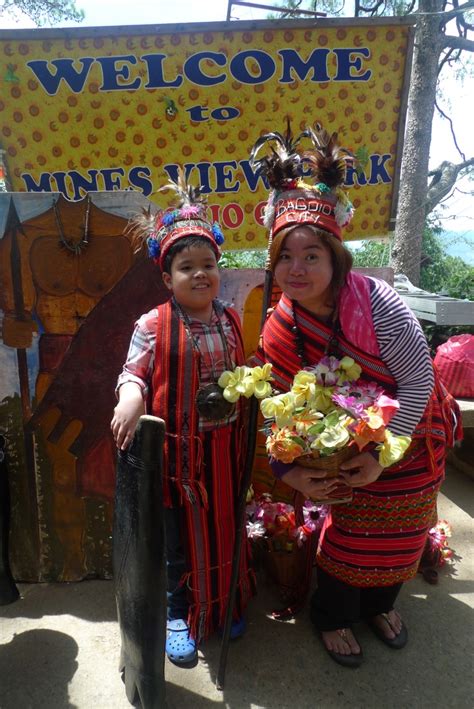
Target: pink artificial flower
(351, 404)
(388, 407)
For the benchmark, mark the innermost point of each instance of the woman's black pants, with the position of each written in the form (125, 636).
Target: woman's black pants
(335, 604)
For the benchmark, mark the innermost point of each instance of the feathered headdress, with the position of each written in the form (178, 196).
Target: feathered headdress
(282, 168)
(293, 200)
(188, 218)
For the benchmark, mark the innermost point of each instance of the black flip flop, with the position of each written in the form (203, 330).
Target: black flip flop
(396, 643)
(344, 660)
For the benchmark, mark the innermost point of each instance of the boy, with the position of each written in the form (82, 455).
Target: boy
(177, 353)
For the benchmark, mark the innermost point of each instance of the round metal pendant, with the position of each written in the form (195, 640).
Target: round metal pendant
(211, 404)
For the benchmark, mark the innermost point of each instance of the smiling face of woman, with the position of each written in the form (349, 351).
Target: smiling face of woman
(304, 270)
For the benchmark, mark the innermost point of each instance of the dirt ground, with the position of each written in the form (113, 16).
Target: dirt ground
(60, 644)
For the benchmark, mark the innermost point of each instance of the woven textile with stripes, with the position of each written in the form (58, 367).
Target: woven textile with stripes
(202, 473)
(376, 539)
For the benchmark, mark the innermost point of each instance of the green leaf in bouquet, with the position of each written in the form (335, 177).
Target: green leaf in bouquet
(317, 428)
(300, 441)
(333, 418)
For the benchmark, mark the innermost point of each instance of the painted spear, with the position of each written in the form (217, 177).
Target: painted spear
(282, 166)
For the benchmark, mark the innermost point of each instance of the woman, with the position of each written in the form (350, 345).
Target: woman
(371, 545)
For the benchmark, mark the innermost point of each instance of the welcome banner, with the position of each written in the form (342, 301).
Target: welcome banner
(94, 109)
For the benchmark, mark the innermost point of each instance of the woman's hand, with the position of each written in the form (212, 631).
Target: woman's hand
(309, 482)
(126, 414)
(366, 470)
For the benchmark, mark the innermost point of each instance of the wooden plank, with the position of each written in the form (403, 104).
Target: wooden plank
(440, 310)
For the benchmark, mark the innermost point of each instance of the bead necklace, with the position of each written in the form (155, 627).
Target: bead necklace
(76, 247)
(332, 345)
(210, 401)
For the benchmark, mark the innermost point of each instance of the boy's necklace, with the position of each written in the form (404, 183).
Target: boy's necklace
(210, 401)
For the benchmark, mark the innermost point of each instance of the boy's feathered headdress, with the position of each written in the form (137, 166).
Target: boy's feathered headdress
(161, 230)
(293, 200)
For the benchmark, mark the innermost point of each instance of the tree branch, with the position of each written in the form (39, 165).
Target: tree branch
(443, 180)
(450, 14)
(442, 113)
(458, 43)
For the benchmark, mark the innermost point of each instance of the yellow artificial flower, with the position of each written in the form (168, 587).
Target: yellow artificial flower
(305, 420)
(304, 387)
(322, 400)
(336, 436)
(246, 381)
(351, 369)
(375, 420)
(279, 407)
(261, 377)
(392, 449)
(235, 383)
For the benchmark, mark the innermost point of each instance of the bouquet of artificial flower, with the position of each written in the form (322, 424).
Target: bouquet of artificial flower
(436, 552)
(276, 523)
(328, 409)
(286, 548)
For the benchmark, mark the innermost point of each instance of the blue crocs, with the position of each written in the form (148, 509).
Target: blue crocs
(237, 629)
(179, 647)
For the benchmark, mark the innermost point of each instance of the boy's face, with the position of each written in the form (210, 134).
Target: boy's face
(194, 279)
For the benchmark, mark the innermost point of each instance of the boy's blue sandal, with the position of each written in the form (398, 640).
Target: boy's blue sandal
(179, 647)
(237, 629)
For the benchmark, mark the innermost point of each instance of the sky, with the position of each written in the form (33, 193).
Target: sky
(459, 214)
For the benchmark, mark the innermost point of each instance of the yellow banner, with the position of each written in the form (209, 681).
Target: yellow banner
(96, 109)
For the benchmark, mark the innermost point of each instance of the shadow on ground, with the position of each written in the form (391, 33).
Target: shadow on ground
(36, 667)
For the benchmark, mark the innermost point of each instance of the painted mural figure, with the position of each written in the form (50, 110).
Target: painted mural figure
(56, 267)
(371, 545)
(177, 353)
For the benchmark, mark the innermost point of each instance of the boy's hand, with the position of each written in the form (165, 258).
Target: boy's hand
(126, 414)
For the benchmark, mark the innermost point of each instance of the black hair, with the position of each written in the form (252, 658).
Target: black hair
(341, 259)
(185, 243)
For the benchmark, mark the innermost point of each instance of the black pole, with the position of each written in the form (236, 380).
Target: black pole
(241, 502)
(139, 560)
(8, 590)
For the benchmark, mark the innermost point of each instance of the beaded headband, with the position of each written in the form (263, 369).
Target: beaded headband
(160, 231)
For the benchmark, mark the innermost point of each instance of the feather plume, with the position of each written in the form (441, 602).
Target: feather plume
(140, 227)
(283, 163)
(327, 160)
(187, 194)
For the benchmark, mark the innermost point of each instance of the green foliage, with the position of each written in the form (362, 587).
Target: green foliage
(243, 259)
(440, 273)
(43, 12)
(372, 254)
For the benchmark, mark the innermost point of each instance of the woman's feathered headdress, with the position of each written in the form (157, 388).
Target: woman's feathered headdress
(159, 231)
(282, 168)
(294, 200)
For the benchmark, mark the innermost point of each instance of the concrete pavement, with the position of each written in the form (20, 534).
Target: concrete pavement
(59, 647)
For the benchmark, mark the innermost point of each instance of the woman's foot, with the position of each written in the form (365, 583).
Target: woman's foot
(389, 627)
(342, 646)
